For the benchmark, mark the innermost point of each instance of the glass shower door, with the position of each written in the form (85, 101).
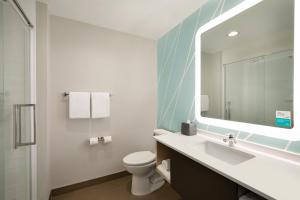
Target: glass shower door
(256, 88)
(279, 84)
(17, 114)
(245, 91)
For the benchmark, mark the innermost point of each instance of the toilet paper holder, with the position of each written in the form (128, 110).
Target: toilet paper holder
(100, 139)
(103, 140)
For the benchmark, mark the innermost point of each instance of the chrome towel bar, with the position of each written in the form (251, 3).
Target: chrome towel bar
(65, 94)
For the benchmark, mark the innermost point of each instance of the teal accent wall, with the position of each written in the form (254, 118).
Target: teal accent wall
(176, 80)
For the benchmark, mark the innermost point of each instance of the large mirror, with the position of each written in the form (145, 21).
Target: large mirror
(247, 66)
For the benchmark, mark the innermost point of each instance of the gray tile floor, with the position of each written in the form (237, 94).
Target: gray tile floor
(118, 189)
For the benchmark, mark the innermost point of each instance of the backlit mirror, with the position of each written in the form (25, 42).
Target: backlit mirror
(247, 66)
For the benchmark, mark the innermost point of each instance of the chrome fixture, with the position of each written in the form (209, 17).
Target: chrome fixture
(65, 94)
(19, 134)
(230, 138)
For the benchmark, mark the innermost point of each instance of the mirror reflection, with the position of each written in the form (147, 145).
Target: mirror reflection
(247, 66)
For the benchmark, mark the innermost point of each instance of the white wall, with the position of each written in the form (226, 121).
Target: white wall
(211, 83)
(43, 181)
(88, 58)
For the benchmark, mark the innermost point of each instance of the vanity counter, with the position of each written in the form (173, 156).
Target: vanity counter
(266, 175)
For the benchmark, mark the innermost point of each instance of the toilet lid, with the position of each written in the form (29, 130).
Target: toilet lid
(139, 158)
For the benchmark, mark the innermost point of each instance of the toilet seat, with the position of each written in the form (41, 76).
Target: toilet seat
(139, 158)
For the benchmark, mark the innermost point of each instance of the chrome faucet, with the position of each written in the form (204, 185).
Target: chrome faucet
(230, 138)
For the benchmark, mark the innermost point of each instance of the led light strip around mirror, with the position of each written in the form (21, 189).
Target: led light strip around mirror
(286, 134)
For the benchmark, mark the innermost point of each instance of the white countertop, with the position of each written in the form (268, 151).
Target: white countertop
(267, 175)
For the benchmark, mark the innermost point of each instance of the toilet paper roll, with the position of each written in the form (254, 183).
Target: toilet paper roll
(106, 139)
(94, 140)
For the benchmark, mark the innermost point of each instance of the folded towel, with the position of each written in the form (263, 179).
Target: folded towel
(166, 164)
(157, 132)
(79, 105)
(251, 196)
(100, 105)
(156, 178)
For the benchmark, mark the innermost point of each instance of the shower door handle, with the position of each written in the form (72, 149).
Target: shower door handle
(18, 133)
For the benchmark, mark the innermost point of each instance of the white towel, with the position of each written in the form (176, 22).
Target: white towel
(79, 105)
(204, 103)
(166, 164)
(157, 132)
(251, 196)
(100, 105)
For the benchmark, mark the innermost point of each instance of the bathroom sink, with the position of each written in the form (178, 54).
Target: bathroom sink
(224, 153)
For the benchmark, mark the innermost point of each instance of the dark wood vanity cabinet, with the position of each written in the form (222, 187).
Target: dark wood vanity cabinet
(195, 182)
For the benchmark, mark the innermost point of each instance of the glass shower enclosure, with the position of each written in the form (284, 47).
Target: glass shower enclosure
(255, 88)
(17, 113)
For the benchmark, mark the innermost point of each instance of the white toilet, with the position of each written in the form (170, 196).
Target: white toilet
(144, 177)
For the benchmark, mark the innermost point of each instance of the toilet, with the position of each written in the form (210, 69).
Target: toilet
(142, 166)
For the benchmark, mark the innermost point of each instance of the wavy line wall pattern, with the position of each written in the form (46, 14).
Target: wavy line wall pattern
(176, 82)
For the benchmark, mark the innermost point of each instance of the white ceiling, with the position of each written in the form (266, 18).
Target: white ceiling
(145, 18)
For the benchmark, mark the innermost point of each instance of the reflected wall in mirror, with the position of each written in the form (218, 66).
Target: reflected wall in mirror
(247, 66)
